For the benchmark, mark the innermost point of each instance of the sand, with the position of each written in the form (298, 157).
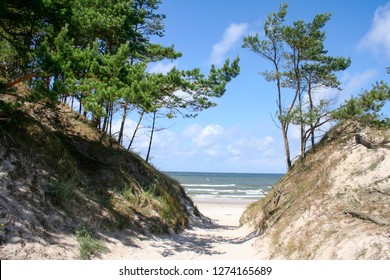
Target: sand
(223, 238)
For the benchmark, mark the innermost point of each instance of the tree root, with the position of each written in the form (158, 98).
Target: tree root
(365, 217)
(387, 192)
(369, 145)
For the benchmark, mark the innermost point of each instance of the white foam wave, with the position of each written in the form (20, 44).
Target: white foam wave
(208, 185)
(228, 196)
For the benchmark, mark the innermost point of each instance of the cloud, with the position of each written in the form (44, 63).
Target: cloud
(378, 37)
(230, 144)
(294, 133)
(251, 146)
(161, 67)
(232, 34)
(192, 130)
(209, 136)
(211, 147)
(353, 84)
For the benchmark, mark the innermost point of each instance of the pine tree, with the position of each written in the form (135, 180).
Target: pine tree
(367, 106)
(103, 64)
(300, 63)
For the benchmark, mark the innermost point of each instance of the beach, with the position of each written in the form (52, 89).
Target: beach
(222, 238)
(235, 186)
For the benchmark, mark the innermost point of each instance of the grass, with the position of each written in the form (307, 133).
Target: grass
(149, 200)
(89, 246)
(291, 247)
(276, 234)
(84, 169)
(62, 191)
(361, 254)
(376, 163)
(127, 193)
(170, 213)
(308, 190)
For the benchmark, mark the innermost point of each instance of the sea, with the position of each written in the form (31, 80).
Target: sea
(249, 186)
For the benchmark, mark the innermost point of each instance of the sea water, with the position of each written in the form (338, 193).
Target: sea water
(250, 186)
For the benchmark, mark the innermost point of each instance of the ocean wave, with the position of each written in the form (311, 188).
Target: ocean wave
(208, 185)
(254, 192)
(253, 197)
(214, 190)
(225, 193)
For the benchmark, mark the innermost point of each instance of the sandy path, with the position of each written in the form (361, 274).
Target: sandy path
(222, 239)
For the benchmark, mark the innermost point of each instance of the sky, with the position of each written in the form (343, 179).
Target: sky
(239, 135)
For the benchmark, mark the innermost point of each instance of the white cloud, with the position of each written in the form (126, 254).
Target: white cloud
(294, 132)
(192, 130)
(378, 37)
(232, 34)
(230, 144)
(251, 147)
(211, 147)
(353, 84)
(209, 136)
(161, 67)
(183, 95)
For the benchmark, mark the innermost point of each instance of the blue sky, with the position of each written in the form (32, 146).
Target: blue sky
(238, 135)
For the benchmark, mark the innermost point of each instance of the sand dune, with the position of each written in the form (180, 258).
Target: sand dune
(222, 238)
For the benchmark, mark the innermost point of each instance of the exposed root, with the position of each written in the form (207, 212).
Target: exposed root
(366, 217)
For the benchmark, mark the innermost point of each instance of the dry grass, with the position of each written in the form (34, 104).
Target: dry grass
(72, 171)
(303, 217)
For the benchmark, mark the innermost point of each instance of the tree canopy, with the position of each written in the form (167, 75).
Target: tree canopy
(367, 106)
(95, 54)
(300, 69)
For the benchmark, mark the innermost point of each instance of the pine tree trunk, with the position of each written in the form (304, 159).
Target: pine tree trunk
(80, 106)
(135, 131)
(283, 123)
(286, 147)
(72, 102)
(312, 135)
(96, 122)
(120, 136)
(312, 128)
(105, 120)
(111, 117)
(151, 136)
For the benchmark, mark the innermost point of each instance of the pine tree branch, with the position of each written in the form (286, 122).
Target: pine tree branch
(21, 79)
(366, 217)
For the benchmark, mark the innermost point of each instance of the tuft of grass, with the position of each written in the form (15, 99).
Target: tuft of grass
(275, 238)
(127, 193)
(376, 163)
(361, 254)
(170, 213)
(62, 191)
(89, 246)
(292, 247)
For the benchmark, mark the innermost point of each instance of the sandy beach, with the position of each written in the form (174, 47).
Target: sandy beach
(222, 238)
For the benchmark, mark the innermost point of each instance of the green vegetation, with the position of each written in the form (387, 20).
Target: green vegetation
(366, 108)
(299, 64)
(91, 179)
(89, 246)
(62, 191)
(103, 65)
(302, 70)
(78, 170)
